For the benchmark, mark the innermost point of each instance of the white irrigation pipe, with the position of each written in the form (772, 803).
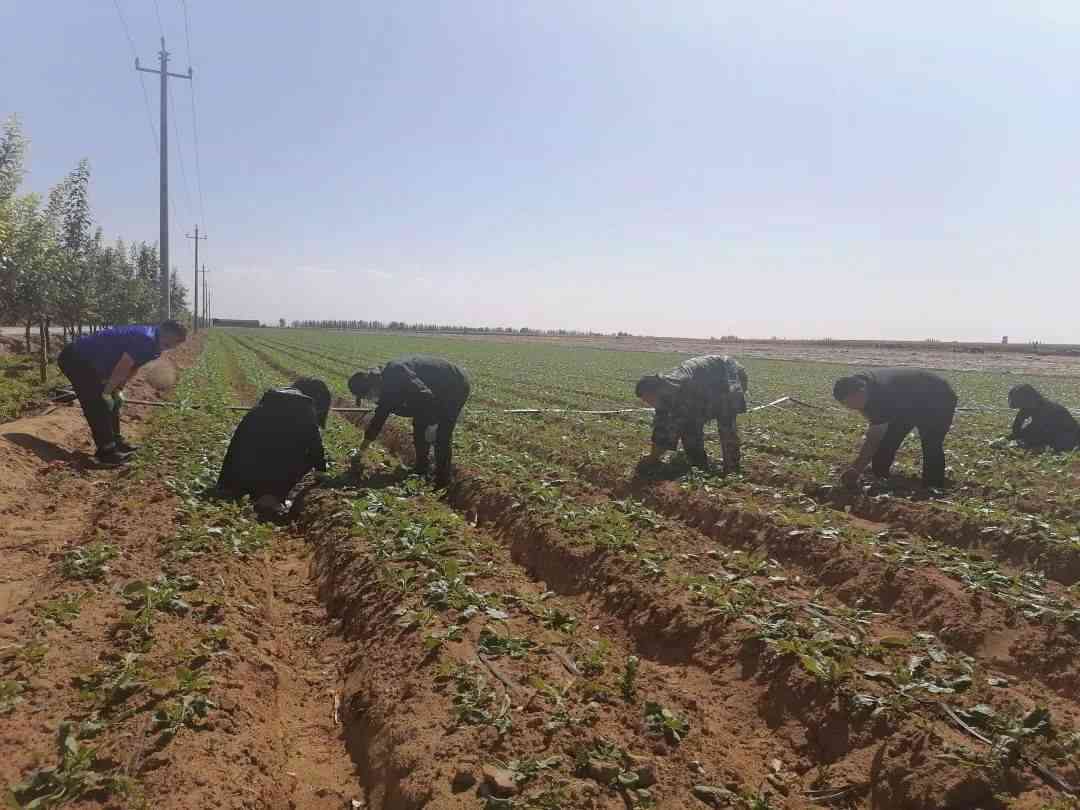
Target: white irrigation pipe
(585, 412)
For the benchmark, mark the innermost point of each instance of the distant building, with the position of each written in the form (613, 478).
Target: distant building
(1005, 341)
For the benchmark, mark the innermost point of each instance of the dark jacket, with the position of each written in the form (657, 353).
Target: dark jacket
(428, 389)
(908, 396)
(274, 446)
(1044, 423)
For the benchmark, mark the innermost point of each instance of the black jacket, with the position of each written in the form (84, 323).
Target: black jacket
(426, 388)
(907, 395)
(274, 446)
(1050, 425)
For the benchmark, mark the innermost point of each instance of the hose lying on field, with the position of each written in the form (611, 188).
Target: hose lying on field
(516, 411)
(521, 411)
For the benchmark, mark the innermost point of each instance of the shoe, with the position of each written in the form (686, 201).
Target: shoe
(123, 447)
(111, 459)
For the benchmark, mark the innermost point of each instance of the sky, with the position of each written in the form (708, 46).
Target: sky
(769, 168)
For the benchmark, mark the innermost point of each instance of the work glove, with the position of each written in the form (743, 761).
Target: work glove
(118, 398)
(430, 433)
(110, 401)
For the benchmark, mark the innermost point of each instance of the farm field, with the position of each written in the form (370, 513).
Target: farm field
(556, 630)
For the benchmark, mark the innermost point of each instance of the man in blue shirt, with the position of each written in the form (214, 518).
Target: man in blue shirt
(100, 365)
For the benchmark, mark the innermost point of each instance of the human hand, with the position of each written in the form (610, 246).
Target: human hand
(850, 478)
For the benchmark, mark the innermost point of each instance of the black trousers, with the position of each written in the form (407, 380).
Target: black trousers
(104, 421)
(932, 433)
(446, 419)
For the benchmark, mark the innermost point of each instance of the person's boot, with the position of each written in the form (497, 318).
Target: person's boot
(270, 508)
(112, 457)
(125, 447)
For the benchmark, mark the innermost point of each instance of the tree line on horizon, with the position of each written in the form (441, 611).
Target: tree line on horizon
(402, 326)
(56, 269)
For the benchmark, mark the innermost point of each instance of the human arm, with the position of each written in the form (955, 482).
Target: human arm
(316, 451)
(664, 436)
(871, 442)
(121, 373)
(402, 392)
(1018, 424)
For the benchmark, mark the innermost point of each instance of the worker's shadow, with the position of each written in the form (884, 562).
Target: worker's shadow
(678, 466)
(354, 480)
(45, 450)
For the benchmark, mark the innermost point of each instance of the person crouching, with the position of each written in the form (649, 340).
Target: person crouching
(275, 445)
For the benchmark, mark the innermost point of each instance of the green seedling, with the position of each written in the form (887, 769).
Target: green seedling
(88, 562)
(494, 645)
(186, 711)
(524, 771)
(72, 779)
(558, 620)
(663, 722)
(10, 695)
(115, 684)
(594, 661)
(163, 594)
(32, 654)
(434, 640)
(189, 681)
(476, 704)
(62, 610)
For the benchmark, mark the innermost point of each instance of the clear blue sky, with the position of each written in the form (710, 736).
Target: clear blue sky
(850, 169)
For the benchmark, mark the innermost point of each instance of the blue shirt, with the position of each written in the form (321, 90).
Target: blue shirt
(103, 349)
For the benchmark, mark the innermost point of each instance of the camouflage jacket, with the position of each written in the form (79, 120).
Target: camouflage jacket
(700, 389)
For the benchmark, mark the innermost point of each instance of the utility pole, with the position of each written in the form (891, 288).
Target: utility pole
(163, 157)
(196, 237)
(206, 299)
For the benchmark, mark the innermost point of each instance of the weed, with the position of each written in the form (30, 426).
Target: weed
(88, 562)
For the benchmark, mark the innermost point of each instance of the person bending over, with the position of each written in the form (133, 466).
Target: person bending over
(100, 365)
(1041, 422)
(896, 401)
(430, 390)
(275, 445)
(686, 398)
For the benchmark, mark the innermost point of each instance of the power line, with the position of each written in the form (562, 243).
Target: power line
(142, 81)
(157, 10)
(188, 208)
(194, 116)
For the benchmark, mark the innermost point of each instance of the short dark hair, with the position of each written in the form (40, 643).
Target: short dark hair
(846, 386)
(649, 384)
(174, 328)
(319, 393)
(1024, 396)
(363, 381)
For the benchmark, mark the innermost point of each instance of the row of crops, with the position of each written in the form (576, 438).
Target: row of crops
(592, 637)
